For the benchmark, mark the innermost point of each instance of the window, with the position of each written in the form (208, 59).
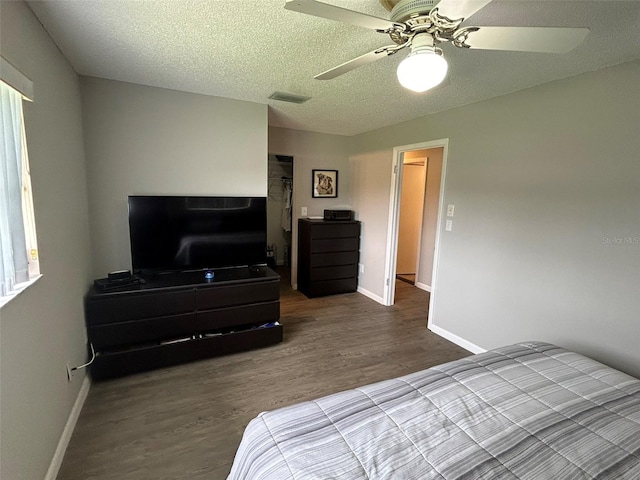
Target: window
(18, 245)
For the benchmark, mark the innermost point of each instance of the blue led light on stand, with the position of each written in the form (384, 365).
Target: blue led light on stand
(209, 275)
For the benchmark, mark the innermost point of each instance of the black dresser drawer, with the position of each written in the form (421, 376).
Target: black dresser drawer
(334, 273)
(112, 335)
(227, 296)
(335, 245)
(331, 287)
(148, 357)
(331, 259)
(255, 314)
(336, 230)
(137, 306)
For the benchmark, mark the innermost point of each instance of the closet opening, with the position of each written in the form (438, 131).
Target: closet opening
(279, 214)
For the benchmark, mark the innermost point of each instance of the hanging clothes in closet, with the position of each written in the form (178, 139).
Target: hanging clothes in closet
(287, 192)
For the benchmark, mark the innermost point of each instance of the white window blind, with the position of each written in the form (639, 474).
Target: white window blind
(18, 249)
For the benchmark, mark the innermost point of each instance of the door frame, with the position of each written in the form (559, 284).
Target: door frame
(423, 172)
(394, 217)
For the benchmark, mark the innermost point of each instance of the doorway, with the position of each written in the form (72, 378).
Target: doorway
(412, 193)
(420, 168)
(279, 213)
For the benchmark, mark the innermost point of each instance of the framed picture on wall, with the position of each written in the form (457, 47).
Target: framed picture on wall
(324, 183)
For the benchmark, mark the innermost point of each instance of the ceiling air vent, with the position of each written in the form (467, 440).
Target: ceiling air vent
(288, 97)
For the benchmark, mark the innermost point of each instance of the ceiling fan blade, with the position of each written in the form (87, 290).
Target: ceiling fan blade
(355, 63)
(527, 39)
(455, 9)
(324, 10)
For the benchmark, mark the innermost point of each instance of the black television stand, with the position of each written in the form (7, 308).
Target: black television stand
(175, 318)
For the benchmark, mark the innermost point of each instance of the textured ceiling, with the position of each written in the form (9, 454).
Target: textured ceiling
(247, 49)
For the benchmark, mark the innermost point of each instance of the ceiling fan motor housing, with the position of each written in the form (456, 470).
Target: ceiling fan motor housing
(405, 9)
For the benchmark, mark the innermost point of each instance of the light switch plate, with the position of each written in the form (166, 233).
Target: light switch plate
(450, 209)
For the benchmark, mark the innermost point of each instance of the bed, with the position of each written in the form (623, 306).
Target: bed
(525, 411)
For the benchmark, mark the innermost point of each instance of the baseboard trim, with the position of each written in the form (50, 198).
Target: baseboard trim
(452, 337)
(371, 295)
(63, 443)
(423, 286)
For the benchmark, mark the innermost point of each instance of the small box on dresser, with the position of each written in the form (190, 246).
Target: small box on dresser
(328, 255)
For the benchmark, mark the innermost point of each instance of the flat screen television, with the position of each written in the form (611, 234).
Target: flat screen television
(176, 233)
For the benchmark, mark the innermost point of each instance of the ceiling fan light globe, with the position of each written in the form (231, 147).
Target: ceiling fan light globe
(422, 70)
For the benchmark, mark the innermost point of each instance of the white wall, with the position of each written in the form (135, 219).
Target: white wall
(153, 141)
(540, 180)
(312, 151)
(43, 328)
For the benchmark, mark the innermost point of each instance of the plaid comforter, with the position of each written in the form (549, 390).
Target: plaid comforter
(527, 411)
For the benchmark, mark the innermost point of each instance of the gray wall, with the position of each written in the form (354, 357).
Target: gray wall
(43, 328)
(545, 240)
(311, 151)
(153, 141)
(544, 243)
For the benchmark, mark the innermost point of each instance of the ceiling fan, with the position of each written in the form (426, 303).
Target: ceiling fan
(422, 25)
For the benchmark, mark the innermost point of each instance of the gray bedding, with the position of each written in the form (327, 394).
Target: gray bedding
(530, 411)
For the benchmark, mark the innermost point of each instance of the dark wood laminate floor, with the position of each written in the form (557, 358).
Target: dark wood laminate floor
(186, 422)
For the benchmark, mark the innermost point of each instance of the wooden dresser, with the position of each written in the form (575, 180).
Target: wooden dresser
(328, 254)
